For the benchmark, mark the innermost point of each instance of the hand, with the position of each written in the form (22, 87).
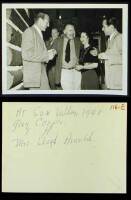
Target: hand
(103, 56)
(52, 53)
(79, 67)
(94, 52)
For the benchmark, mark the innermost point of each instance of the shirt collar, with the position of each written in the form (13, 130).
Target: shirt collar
(111, 36)
(66, 39)
(39, 31)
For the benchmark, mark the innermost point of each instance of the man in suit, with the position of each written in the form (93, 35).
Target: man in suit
(67, 47)
(112, 55)
(35, 54)
(51, 64)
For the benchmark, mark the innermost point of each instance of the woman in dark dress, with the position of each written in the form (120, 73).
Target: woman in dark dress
(88, 62)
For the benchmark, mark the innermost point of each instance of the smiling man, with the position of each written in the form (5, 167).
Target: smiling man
(68, 48)
(35, 54)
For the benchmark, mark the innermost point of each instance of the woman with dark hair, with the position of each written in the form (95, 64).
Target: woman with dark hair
(88, 62)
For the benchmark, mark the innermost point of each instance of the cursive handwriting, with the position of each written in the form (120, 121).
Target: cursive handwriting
(21, 124)
(50, 127)
(67, 111)
(20, 142)
(70, 139)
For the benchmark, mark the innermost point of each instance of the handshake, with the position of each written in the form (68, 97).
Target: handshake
(52, 53)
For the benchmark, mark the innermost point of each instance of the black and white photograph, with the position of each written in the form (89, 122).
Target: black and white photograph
(64, 48)
(65, 99)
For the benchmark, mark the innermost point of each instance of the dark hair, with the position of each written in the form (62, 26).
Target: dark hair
(111, 21)
(54, 28)
(40, 15)
(87, 34)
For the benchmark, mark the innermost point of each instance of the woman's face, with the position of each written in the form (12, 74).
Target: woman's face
(84, 38)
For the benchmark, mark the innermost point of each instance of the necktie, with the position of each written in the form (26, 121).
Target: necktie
(67, 52)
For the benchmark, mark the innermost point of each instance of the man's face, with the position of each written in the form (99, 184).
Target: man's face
(44, 23)
(70, 31)
(54, 33)
(106, 28)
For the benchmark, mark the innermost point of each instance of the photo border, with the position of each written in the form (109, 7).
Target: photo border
(123, 6)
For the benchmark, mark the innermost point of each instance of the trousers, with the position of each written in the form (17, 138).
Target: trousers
(70, 79)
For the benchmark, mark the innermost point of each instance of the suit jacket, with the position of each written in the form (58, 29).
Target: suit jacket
(114, 49)
(113, 66)
(58, 45)
(35, 55)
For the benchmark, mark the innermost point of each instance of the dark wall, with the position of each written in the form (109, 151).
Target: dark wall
(84, 19)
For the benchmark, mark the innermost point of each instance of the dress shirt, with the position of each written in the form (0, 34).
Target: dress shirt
(73, 58)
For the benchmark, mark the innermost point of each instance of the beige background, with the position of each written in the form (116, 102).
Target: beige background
(95, 164)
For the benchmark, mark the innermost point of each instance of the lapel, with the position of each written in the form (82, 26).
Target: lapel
(40, 42)
(38, 35)
(77, 46)
(111, 42)
(61, 49)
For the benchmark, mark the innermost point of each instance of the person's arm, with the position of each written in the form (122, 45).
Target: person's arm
(91, 61)
(113, 57)
(90, 65)
(87, 66)
(28, 49)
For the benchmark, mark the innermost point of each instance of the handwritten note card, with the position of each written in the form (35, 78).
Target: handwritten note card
(64, 147)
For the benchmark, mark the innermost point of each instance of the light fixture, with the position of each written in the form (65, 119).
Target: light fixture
(60, 17)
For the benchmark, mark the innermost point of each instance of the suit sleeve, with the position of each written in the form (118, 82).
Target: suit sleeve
(116, 57)
(55, 45)
(29, 52)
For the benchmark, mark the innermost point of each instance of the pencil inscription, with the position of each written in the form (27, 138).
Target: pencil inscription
(51, 127)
